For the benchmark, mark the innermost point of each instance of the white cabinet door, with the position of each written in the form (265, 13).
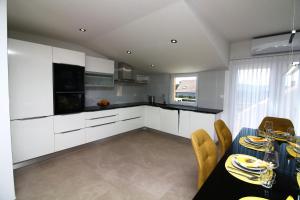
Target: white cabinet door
(32, 138)
(184, 124)
(169, 121)
(30, 79)
(67, 56)
(69, 139)
(99, 65)
(100, 132)
(202, 121)
(131, 112)
(131, 124)
(70, 122)
(152, 117)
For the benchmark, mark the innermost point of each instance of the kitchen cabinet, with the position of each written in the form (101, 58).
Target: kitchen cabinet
(94, 133)
(69, 122)
(184, 124)
(69, 139)
(131, 112)
(152, 117)
(202, 121)
(30, 79)
(131, 124)
(169, 121)
(67, 56)
(32, 138)
(99, 65)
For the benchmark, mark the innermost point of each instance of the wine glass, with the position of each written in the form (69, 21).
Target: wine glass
(268, 126)
(267, 177)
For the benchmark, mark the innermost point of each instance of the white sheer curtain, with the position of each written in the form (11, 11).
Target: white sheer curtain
(259, 87)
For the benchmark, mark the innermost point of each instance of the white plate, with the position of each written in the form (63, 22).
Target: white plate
(256, 170)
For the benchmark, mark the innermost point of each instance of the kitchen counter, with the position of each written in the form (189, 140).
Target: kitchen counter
(165, 106)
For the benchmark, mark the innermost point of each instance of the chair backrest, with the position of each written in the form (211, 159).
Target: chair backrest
(206, 154)
(279, 124)
(224, 135)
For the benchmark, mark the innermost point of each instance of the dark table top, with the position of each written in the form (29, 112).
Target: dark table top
(165, 106)
(221, 184)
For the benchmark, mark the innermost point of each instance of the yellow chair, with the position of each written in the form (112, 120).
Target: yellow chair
(279, 124)
(224, 135)
(206, 154)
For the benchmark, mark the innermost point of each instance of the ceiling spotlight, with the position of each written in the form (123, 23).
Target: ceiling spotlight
(82, 29)
(294, 31)
(173, 41)
(129, 52)
(152, 65)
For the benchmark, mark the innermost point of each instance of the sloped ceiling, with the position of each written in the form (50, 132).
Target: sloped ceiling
(203, 28)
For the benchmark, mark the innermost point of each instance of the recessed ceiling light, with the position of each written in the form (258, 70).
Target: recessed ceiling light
(129, 52)
(152, 65)
(82, 29)
(173, 41)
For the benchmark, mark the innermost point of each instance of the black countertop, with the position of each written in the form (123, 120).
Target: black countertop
(165, 106)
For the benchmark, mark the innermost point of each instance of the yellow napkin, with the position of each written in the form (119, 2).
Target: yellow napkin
(294, 145)
(257, 139)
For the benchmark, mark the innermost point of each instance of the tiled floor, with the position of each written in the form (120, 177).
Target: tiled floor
(138, 165)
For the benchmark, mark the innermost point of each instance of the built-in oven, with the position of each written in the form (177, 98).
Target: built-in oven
(68, 84)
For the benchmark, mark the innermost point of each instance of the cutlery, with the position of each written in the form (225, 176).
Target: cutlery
(250, 177)
(239, 170)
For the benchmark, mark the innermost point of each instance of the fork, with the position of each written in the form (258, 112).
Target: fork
(250, 177)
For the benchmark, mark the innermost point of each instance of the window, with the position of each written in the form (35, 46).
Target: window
(184, 89)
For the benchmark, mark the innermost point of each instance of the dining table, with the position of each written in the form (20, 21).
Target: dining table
(222, 185)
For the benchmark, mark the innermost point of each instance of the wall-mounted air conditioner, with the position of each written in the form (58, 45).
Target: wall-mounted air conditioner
(274, 44)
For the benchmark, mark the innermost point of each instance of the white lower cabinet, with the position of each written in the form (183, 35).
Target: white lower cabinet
(70, 122)
(131, 124)
(99, 132)
(152, 117)
(202, 121)
(184, 124)
(69, 139)
(169, 121)
(32, 138)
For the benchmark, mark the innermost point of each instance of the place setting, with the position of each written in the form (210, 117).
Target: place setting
(253, 170)
(254, 142)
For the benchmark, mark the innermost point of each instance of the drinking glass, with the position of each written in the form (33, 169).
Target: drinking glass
(272, 160)
(291, 135)
(268, 126)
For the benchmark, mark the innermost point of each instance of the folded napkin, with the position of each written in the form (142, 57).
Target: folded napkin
(257, 139)
(290, 198)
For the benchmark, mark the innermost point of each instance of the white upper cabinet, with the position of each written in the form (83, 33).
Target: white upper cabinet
(30, 79)
(67, 56)
(169, 121)
(99, 65)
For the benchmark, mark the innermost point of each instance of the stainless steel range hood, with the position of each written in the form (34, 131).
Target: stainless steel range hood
(125, 72)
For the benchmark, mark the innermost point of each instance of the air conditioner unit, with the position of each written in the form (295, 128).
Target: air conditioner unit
(274, 44)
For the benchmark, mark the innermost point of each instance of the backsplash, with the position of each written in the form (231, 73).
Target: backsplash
(121, 93)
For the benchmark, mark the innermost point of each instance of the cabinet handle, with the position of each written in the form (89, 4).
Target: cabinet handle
(30, 118)
(68, 131)
(131, 118)
(101, 125)
(102, 117)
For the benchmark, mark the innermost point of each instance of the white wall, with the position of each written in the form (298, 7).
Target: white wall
(6, 169)
(52, 42)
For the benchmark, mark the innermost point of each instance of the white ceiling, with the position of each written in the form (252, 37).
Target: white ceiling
(203, 28)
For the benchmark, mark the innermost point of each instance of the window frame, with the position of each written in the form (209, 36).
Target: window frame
(172, 88)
